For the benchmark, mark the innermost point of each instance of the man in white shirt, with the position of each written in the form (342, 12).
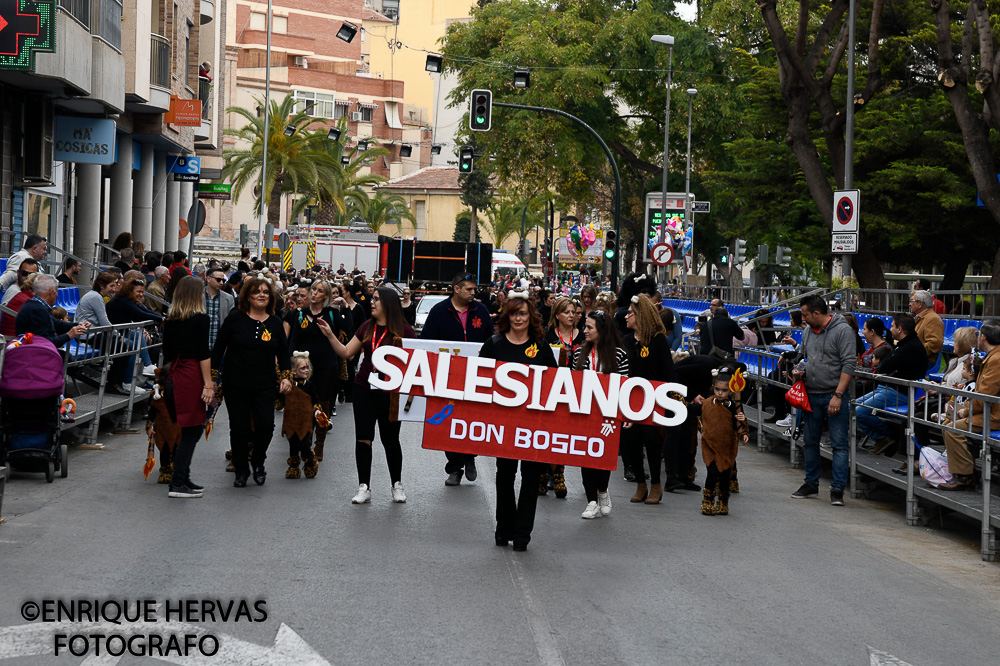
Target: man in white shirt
(35, 247)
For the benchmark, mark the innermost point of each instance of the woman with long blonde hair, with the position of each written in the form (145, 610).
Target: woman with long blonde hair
(646, 342)
(185, 348)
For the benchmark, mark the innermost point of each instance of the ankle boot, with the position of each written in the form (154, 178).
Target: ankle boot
(641, 491)
(722, 501)
(734, 483)
(166, 473)
(707, 502)
(293, 471)
(543, 485)
(559, 484)
(311, 466)
(320, 442)
(655, 494)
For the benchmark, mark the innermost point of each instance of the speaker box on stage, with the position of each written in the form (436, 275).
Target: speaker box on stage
(479, 261)
(399, 260)
(438, 261)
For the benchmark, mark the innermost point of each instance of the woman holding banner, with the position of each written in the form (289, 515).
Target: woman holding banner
(387, 326)
(646, 342)
(602, 351)
(521, 339)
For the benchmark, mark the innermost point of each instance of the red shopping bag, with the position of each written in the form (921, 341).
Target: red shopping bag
(797, 397)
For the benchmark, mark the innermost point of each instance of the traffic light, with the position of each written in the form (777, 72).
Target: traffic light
(244, 235)
(724, 255)
(741, 252)
(547, 252)
(465, 159)
(520, 248)
(610, 244)
(480, 110)
(784, 257)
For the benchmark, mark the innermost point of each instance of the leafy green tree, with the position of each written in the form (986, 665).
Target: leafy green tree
(477, 194)
(462, 233)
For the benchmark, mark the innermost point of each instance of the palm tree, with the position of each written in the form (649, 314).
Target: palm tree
(378, 210)
(292, 163)
(330, 191)
(502, 222)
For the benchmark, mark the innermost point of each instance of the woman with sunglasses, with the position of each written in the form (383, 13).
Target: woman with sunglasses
(371, 406)
(520, 340)
(601, 351)
(646, 342)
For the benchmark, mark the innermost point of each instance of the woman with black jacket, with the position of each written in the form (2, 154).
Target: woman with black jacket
(649, 358)
(520, 339)
(250, 343)
(602, 351)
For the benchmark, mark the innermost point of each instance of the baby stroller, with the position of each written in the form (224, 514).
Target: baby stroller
(31, 385)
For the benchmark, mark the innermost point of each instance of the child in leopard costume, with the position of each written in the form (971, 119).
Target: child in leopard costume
(722, 425)
(302, 412)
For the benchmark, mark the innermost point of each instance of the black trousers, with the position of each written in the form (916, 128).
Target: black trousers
(299, 447)
(677, 451)
(594, 480)
(183, 454)
(516, 517)
(718, 478)
(456, 461)
(371, 408)
(641, 437)
(251, 421)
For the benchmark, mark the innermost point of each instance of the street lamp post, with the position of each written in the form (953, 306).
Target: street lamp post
(669, 41)
(267, 133)
(688, 217)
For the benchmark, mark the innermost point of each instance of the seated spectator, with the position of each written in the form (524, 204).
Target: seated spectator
(28, 267)
(907, 361)
(152, 262)
(22, 297)
(853, 323)
(180, 261)
(874, 335)
(796, 317)
(35, 315)
(930, 327)
(961, 463)
(126, 259)
(35, 248)
(158, 288)
(719, 332)
(70, 269)
(764, 321)
(923, 284)
(965, 340)
(59, 313)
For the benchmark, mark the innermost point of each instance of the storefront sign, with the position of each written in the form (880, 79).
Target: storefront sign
(526, 412)
(87, 140)
(220, 191)
(183, 112)
(25, 29)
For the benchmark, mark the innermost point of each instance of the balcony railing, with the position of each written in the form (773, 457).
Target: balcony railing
(205, 95)
(159, 62)
(106, 21)
(78, 9)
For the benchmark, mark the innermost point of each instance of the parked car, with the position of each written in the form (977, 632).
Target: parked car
(424, 308)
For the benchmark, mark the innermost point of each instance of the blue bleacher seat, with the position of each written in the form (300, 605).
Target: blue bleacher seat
(68, 298)
(904, 408)
(3, 265)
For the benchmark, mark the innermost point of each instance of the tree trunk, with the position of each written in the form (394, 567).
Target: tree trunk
(473, 225)
(274, 205)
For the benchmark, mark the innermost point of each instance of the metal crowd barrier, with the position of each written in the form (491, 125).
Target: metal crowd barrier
(865, 468)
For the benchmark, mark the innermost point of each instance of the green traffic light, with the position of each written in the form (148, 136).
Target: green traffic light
(480, 119)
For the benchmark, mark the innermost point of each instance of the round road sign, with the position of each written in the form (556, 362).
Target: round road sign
(845, 210)
(662, 254)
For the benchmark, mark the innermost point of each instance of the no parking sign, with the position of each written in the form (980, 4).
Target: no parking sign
(845, 211)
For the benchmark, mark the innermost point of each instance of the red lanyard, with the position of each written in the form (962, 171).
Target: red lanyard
(565, 344)
(593, 360)
(374, 343)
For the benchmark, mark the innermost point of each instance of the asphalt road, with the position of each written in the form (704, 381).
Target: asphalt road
(778, 581)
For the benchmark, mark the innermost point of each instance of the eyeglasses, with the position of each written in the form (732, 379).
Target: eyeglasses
(26, 273)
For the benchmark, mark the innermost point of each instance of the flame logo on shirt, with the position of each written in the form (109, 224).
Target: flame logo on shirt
(644, 352)
(305, 323)
(266, 336)
(532, 351)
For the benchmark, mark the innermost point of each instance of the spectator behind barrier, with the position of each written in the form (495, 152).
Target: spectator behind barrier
(158, 288)
(126, 260)
(907, 361)
(720, 332)
(930, 327)
(923, 284)
(961, 463)
(35, 316)
(28, 267)
(23, 296)
(35, 247)
(70, 269)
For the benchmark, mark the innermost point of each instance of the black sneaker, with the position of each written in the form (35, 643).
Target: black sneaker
(183, 492)
(454, 479)
(806, 491)
(836, 496)
(195, 487)
(241, 480)
(259, 475)
(470, 470)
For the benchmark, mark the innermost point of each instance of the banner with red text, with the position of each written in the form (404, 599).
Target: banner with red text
(525, 412)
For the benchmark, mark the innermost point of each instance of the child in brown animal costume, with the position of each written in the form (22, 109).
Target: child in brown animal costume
(722, 425)
(167, 434)
(302, 410)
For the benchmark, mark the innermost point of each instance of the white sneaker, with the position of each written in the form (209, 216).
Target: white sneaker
(786, 422)
(592, 511)
(134, 390)
(398, 495)
(604, 502)
(364, 495)
(149, 370)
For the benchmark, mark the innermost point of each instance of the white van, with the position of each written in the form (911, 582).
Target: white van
(506, 264)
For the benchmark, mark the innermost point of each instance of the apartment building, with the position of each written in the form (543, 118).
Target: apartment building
(98, 98)
(326, 75)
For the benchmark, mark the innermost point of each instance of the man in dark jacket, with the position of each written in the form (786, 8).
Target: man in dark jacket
(907, 361)
(460, 318)
(35, 315)
(720, 331)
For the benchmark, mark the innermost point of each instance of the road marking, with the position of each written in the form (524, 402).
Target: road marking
(879, 658)
(541, 631)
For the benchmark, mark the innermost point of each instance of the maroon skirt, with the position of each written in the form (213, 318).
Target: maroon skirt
(188, 385)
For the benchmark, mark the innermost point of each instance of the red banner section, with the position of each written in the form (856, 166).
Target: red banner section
(526, 412)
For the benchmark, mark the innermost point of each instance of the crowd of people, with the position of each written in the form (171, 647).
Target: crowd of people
(255, 338)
